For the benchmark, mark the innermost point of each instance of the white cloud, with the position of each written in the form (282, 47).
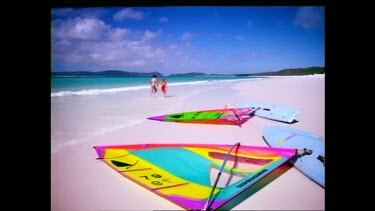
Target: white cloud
(116, 54)
(118, 33)
(128, 14)
(309, 17)
(91, 42)
(79, 28)
(187, 36)
(77, 41)
(163, 19)
(149, 36)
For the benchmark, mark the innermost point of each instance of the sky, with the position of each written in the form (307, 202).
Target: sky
(179, 39)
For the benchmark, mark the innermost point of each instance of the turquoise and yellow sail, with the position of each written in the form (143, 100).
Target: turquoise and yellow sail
(181, 173)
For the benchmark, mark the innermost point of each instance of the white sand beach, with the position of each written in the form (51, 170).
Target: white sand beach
(79, 182)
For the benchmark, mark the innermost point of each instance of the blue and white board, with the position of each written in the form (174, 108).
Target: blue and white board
(272, 111)
(312, 165)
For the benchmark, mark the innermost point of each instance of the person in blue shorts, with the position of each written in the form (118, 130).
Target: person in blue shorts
(154, 85)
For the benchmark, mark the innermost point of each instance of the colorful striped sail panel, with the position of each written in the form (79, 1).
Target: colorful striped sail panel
(226, 116)
(194, 176)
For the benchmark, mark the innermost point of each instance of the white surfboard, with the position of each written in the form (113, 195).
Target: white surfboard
(272, 111)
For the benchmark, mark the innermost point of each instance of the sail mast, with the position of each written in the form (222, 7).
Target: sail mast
(209, 201)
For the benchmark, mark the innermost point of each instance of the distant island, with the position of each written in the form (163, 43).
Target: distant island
(119, 73)
(297, 71)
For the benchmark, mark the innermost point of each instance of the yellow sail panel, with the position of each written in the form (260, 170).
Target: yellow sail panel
(191, 190)
(152, 176)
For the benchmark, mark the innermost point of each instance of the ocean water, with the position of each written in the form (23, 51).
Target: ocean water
(68, 86)
(83, 108)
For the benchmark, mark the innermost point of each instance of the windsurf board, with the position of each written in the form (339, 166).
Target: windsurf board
(272, 111)
(311, 163)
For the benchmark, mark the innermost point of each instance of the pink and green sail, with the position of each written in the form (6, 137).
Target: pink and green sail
(227, 116)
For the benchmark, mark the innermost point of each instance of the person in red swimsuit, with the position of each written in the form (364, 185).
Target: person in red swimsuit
(163, 85)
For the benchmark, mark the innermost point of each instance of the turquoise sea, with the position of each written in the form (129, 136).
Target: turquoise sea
(69, 86)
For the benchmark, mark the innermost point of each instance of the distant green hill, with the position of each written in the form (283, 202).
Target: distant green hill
(189, 74)
(297, 71)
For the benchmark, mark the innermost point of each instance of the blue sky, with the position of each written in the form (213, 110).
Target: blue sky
(208, 39)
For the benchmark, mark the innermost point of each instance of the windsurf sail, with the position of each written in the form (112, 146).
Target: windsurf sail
(194, 176)
(226, 116)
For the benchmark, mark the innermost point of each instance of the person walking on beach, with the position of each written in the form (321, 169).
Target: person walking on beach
(154, 85)
(163, 85)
